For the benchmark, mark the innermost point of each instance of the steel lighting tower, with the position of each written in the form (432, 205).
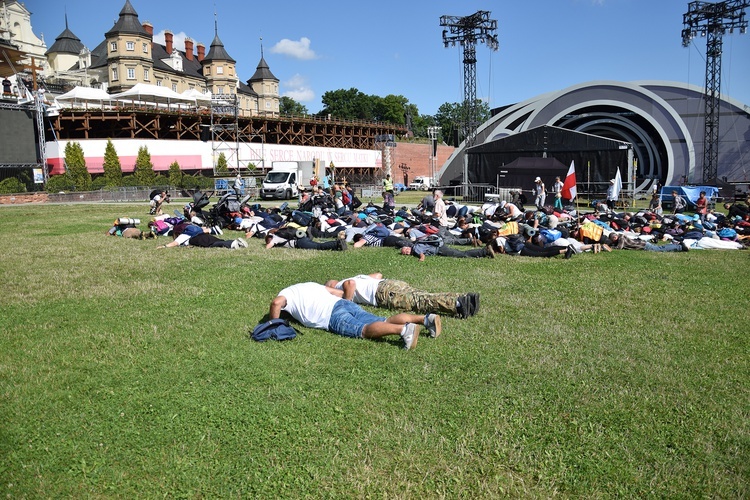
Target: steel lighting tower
(467, 31)
(712, 20)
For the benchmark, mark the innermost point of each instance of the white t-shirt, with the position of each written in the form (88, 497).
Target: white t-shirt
(310, 304)
(366, 288)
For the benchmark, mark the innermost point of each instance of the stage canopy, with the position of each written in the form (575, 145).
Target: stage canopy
(142, 92)
(596, 158)
(83, 97)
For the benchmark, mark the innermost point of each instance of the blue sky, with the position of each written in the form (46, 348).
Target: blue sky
(395, 47)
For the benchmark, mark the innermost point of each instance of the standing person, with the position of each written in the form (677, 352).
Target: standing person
(678, 203)
(441, 211)
(540, 195)
(389, 203)
(374, 290)
(701, 206)
(238, 184)
(557, 188)
(388, 183)
(316, 306)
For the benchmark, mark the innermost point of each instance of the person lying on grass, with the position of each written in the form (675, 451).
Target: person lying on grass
(317, 306)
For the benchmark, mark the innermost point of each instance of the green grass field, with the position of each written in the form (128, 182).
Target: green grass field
(126, 371)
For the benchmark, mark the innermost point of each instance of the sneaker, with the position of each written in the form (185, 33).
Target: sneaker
(490, 251)
(342, 244)
(234, 245)
(241, 243)
(474, 299)
(434, 325)
(569, 252)
(685, 246)
(410, 334)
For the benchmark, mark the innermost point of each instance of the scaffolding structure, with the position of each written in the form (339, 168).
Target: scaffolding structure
(712, 21)
(227, 137)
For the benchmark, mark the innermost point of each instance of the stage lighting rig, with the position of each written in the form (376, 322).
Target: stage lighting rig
(712, 21)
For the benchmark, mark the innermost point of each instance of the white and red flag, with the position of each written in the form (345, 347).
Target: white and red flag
(569, 190)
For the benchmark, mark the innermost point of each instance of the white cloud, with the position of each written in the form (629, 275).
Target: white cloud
(178, 39)
(298, 89)
(298, 50)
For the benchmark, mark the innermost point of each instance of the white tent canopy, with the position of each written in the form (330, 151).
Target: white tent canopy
(142, 92)
(199, 97)
(84, 97)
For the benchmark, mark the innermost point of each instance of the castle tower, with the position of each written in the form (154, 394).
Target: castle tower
(218, 67)
(64, 54)
(129, 58)
(266, 85)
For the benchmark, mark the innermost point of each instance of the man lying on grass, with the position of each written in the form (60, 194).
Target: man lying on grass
(317, 306)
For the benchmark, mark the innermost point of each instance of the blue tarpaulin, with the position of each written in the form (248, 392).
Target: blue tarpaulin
(690, 193)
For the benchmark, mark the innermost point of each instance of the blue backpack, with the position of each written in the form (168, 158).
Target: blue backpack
(275, 329)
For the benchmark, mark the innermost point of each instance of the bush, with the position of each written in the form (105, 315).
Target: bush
(58, 183)
(99, 183)
(12, 185)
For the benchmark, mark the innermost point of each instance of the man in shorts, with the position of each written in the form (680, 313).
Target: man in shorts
(316, 306)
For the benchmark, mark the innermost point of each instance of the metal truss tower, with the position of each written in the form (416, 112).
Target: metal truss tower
(713, 20)
(467, 31)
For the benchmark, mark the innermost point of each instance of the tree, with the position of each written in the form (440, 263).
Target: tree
(221, 165)
(112, 167)
(348, 105)
(76, 163)
(450, 118)
(175, 175)
(391, 109)
(144, 169)
(288, 106)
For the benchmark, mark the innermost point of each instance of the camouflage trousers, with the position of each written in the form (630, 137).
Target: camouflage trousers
(399, 295)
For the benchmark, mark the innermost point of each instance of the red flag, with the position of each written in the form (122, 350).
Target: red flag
(569, 190)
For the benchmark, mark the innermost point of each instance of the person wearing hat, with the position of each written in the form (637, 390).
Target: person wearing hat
(540, 195)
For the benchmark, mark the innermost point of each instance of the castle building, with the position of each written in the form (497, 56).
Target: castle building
(128, 56)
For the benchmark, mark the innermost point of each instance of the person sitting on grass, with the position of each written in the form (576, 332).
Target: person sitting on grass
(317, 306)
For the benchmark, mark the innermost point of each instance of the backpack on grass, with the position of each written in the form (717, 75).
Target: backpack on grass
(275, 329)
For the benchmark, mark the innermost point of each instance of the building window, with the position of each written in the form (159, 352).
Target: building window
(174, 87)
(158, 83)
(145, 48)
(220, 90)
(113, 46)
(130, 45)
(145, 74)
(131, 73)
(114, 74)
(268, 105)
(219, 70)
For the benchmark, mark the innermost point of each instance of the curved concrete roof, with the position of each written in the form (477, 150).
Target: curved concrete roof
(662, 120)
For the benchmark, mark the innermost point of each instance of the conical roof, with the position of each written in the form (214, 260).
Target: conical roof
(128, 22)
(66, 42)
(262, 72)
(217, 52)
